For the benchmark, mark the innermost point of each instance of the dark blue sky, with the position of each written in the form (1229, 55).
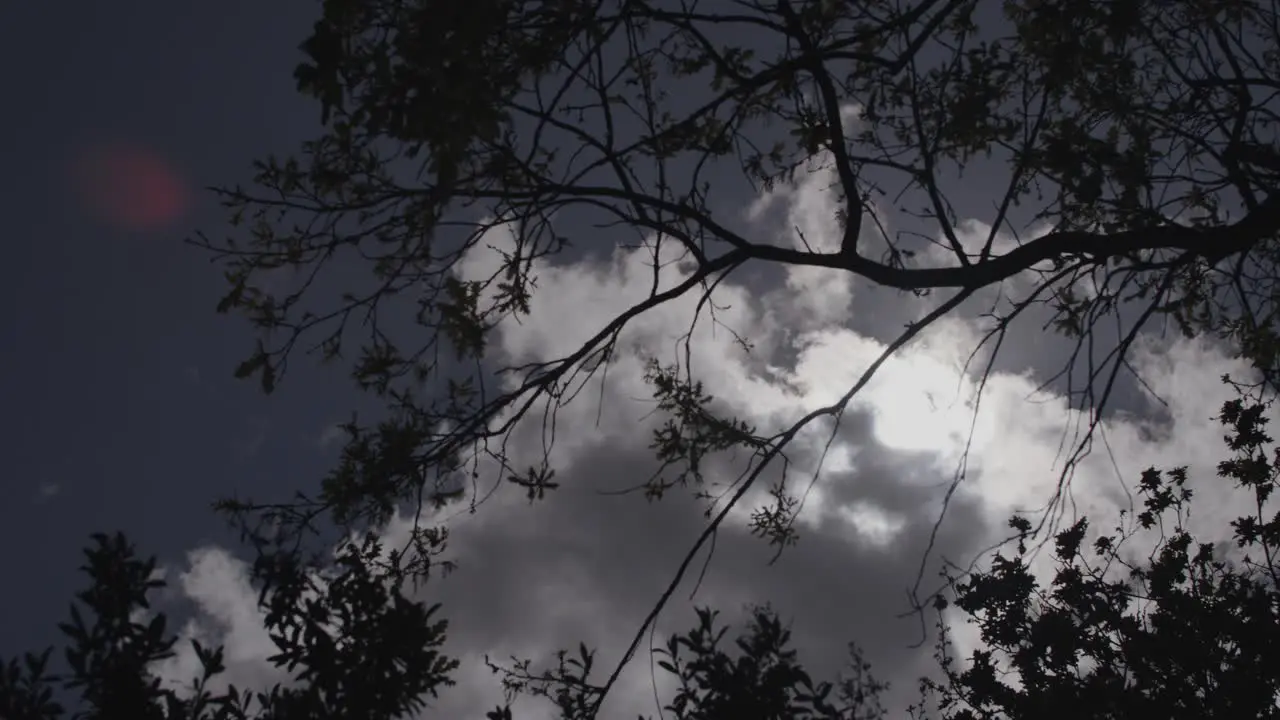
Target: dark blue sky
(116, 378)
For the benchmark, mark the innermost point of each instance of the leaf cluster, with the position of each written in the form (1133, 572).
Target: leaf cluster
(352, 644)
(1188, 631)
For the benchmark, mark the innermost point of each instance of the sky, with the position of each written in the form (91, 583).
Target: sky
(123, 413)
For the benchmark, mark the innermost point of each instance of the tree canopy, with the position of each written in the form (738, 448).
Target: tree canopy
(354, 645)
(1130, 146)
(1129, 173)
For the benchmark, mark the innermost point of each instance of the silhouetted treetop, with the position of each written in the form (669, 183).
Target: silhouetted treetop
(1123, 155)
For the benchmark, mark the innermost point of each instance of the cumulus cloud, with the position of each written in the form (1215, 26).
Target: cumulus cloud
(225, 613)
(588, 564)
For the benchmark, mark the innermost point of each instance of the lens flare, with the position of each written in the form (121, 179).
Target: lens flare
(130, 187)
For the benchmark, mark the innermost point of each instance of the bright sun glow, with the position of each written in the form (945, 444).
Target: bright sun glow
(921, 404)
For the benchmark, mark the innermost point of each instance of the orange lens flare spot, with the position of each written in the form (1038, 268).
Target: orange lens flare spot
(131, 187)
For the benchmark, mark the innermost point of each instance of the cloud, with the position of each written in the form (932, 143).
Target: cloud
(331, 435)
(588, 565)
(47, 490)
(226, 613)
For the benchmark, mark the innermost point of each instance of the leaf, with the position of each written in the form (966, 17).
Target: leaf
(249, 366)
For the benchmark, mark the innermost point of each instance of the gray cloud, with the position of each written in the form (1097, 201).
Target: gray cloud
(580, 566)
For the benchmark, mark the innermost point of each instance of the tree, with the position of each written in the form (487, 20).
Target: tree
(355, 645)
(1134, 143)
(381, 658)
(1190, 632)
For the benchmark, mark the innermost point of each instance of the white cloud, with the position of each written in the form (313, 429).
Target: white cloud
(227, 614)
(872, 523)
(818, 296)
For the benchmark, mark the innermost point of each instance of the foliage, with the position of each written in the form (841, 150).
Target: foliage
(762, 680)
(1184, 633)
(1129, 148)
(1135, 140)
(354, 645)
